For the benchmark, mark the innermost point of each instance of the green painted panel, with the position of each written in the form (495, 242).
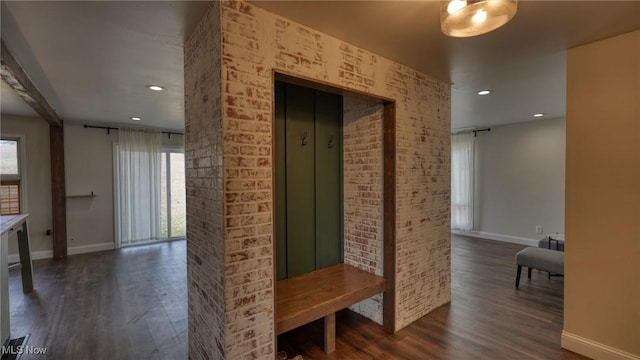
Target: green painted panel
(281, 184)
(328, 168)
(300, 177)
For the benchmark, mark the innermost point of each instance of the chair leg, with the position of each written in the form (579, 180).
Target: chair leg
(529, 274)
(518, 276)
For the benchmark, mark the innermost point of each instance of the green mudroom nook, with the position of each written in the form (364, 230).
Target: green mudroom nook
(308, 175)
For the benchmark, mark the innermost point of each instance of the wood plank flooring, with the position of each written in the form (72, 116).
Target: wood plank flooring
(488, 318)
(126, 304)
(132, 304)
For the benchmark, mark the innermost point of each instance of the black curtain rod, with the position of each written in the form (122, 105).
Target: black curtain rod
(109, 128)
(475, 131)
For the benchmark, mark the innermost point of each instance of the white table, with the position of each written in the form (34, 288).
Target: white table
(8, 224)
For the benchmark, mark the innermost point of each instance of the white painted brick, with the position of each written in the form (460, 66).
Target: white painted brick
(228, 92)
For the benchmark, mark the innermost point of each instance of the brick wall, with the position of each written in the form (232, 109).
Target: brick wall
(203, 163)
(363, 193)
(247, 115)
(423, 234)
(253, 43)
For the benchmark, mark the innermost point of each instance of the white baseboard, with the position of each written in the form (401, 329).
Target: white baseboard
(75, 250)
(499, 237)
(35, 255)
(592, 349)
(90, 248)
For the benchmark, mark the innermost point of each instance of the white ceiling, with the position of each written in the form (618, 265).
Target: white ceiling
(92, 60)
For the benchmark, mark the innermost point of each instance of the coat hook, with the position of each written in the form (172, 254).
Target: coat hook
(303, 139)
(330, 142)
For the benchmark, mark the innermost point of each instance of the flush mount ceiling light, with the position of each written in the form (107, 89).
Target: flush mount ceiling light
(484, 92)
(466, 18)
(538, 115)
(135, 118)
(155, 87)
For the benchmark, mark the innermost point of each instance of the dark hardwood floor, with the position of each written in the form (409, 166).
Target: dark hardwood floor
(488, 318)
(132, 304)
(126, 304)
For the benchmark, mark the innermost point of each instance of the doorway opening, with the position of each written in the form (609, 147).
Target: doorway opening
(358, 195)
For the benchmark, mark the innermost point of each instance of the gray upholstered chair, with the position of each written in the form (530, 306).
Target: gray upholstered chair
(549, 242)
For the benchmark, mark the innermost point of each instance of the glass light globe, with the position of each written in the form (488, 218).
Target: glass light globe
(460, 18)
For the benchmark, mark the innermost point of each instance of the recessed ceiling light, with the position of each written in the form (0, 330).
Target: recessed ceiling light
(135, 118)
(155, 87)
(484, 92)
(538, 115)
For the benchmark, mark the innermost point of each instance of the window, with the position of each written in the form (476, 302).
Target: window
(150, 194)
(137, 187)
(10, 199)
(173, 212)
(462, 154)
(10, 161)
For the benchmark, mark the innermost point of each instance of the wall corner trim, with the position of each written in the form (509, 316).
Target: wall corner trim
(35, 255)
(593, 349)
(75, 250)
(499, 237)
(83, 249)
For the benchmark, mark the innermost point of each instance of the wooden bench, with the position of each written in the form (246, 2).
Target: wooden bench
(319, 294)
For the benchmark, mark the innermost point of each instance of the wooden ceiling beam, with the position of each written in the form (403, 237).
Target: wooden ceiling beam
(13, 74)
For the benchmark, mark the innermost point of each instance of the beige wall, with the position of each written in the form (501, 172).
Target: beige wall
(89, 167)
(519, 182)
(38, 184)
(602, 261)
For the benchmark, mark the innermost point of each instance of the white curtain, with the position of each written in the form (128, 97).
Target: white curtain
(462, 172)
(137, 161)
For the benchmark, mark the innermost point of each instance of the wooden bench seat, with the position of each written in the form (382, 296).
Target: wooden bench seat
(319, 294)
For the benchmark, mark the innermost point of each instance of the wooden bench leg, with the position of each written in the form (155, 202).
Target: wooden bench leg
(330, 333)
(518, 276)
